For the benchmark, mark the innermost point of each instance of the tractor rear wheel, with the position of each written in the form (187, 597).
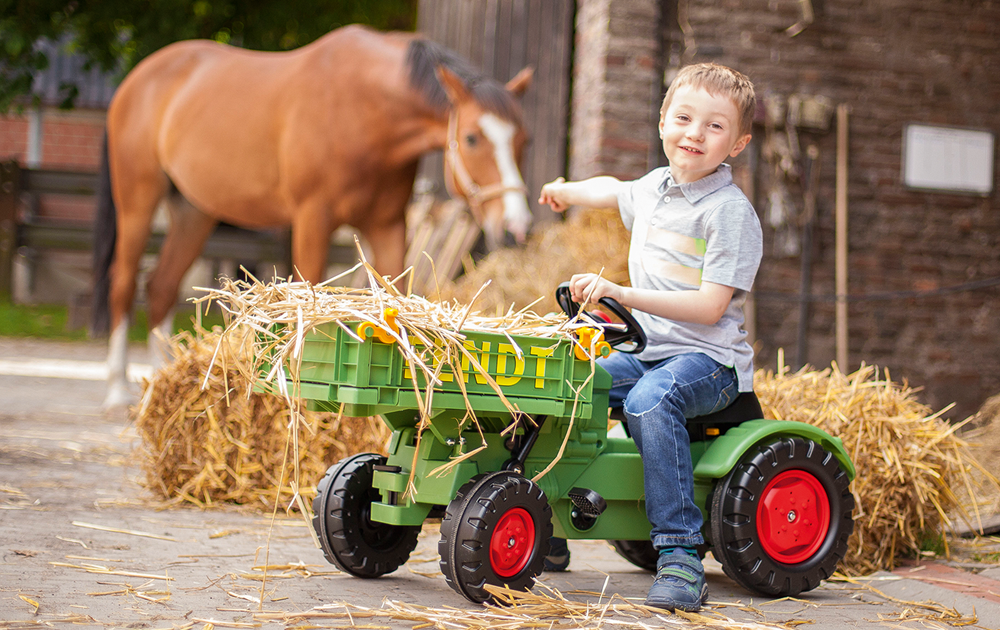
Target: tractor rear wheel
(781, 519)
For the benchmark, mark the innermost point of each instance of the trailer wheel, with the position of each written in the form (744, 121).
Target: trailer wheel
(781, 519)
(342, 519)
(496, 531)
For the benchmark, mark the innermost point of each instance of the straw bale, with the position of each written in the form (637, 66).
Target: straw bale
(587, 241)
(910, 462)
(984, 439)
(988, 415)
(226, 443)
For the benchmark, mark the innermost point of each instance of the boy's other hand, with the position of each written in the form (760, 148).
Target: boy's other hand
(551, 195)
(582, 285)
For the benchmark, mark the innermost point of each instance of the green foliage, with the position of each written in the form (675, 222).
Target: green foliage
(117, 34)
(932, 544)
(987, 558)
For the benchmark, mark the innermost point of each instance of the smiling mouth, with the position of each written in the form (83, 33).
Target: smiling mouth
(691, 150)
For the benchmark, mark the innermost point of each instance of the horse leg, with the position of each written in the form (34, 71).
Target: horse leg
(311, 230)
(189, 229)
(138, 196)
(388, 243)
(386, 234)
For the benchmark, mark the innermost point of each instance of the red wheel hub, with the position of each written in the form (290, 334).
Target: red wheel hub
(793, 517)
(512, 543)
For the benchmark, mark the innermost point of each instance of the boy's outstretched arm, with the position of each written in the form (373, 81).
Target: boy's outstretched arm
(596, 192)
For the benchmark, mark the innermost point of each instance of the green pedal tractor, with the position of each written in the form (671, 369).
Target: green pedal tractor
(774, 494)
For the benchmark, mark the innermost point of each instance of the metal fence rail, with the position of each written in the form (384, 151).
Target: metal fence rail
(20, 227)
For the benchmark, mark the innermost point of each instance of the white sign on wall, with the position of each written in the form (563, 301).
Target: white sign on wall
(948, 159)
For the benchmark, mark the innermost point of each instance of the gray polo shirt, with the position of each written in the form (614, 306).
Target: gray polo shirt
(684, 234)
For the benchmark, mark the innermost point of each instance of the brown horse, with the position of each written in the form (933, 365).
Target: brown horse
(325, 135)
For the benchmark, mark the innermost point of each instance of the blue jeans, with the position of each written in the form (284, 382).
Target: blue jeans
(658, 397)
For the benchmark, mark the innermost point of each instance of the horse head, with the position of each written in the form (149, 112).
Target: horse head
(486, 138)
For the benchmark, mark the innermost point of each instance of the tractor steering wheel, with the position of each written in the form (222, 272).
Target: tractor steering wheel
(619, 339)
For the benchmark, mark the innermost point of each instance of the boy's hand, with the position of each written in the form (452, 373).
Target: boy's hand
(582, 284)
(551, 195)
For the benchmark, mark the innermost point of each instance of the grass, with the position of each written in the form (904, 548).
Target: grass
(933, 544)
(50, 322)
(991, 558)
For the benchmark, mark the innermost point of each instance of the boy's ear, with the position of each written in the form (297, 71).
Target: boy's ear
(740, 145)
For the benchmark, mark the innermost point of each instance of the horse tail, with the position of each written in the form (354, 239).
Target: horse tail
(105, 233)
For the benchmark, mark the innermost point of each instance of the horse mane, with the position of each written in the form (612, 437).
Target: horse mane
(424, 56)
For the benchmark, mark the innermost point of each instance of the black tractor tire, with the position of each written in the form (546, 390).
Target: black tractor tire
(495, 531)
(342, 520)
(781, 518)
(641, 553)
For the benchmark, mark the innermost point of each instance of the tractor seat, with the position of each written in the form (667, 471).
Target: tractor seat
(745, 407)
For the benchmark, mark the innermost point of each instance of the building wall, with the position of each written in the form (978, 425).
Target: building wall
(14, 138)
(920, 264)
(71, 140)
(616, 73)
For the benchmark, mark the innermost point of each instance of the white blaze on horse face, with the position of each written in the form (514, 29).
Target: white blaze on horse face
(516, 215)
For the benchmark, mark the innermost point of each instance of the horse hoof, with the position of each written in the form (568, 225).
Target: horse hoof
(119, 397)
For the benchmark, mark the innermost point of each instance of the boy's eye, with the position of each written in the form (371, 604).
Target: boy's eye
(471, 139)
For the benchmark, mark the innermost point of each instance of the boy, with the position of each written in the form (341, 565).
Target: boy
(695, 247)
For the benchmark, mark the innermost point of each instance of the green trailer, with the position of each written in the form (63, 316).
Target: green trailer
(537, 461)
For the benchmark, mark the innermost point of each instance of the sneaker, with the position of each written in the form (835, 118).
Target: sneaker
(558, 558)
(680, 582)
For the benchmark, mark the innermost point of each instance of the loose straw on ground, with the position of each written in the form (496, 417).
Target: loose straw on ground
(548, 608)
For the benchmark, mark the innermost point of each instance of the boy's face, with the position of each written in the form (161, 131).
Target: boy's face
(699, 131)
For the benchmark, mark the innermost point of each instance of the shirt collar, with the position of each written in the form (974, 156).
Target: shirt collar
(698, 189)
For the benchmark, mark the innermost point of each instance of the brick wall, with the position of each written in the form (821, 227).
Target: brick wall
(13, 138)
(892, 62)
(616, 73)
(71, 140)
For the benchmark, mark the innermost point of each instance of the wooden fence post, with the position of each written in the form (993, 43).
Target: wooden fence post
(10, 190)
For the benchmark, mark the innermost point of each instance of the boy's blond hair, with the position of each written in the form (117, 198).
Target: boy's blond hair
(718, 80)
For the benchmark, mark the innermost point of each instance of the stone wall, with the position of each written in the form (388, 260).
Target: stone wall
(920, 264)
(616, 74)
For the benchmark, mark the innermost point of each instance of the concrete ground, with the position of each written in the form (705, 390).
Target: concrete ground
(82, 543)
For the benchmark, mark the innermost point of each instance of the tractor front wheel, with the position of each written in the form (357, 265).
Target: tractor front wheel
(342, 519)
(781, 519)
(495, 531)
